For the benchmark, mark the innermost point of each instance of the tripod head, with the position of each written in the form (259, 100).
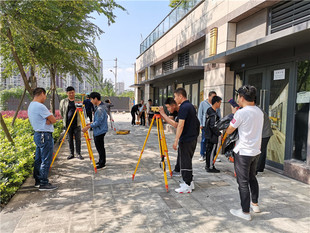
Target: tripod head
(155, 109)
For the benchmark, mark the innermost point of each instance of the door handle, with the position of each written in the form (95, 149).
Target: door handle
(260, 98)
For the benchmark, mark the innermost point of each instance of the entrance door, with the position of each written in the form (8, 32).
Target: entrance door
(272, 96)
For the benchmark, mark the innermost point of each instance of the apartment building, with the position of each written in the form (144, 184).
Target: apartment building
(223, 44)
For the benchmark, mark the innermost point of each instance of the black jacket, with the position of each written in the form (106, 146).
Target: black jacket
(223, 124)
(211, 131)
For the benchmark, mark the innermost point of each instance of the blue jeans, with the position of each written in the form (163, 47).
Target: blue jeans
(203, 144)
(44, 155)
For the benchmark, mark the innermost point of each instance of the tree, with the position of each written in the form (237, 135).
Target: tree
(106, 89)
(174, 3)
(128, 93)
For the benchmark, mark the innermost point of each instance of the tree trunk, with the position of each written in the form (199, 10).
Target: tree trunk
(33, 78)
(19, 63)
(18, 108)
(5, 129)
(53, 87)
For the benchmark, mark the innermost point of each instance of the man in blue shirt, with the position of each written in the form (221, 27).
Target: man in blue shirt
(89, 107)
(42, 122)
(186, 138)
(202, 111)
(99, 126)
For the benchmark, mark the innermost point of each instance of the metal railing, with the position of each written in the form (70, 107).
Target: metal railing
(168, 22)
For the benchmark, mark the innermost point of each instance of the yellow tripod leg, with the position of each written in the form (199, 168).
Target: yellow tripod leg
(147, 136)
(218, 151)
(63, 139)
(165, 145)
(161, 149)
(86, 135)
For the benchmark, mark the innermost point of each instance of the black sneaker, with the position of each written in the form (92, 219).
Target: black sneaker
(37, 184)
(80, 157)
(47, 187)
(213, 170)
(70, 157)
(101, 166)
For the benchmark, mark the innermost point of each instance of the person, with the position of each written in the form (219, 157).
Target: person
(249, 122)
(42, 122)
(186, 138)
(202, 111)
(99, 126)
(89, 107)
(134, 112)
(212, 133)
(172, 119)
(108, 105)
(267, 133)
(142, 110)
(150, 113)
(67, 109)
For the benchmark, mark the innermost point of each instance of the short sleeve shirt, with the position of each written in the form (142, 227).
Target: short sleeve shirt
(175, 116)
(37, 114)
(249, 121)
(190, 131)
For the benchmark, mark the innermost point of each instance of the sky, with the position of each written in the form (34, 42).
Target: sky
(122, 39)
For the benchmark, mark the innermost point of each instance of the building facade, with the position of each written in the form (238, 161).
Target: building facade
(223, 44)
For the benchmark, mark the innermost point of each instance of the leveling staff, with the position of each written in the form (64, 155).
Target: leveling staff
(186, 137)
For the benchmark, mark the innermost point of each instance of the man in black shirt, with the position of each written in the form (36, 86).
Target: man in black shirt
(134, 112)
(67, 109)
(186, 137)
(89, 107)
(172, 119)
(212, 133)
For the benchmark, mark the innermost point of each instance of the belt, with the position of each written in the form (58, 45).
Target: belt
(43, 132)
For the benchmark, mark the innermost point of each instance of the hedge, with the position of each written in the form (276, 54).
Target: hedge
(16, 162)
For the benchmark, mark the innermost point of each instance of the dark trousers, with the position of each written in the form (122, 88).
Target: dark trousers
(245, 168)
(262, 158)
(210, 153)
(43, 156)
(90, 116)
(177, 164)
(76, 132)
(187, 150)
(142, 118)
(99, 143)
(133, 121)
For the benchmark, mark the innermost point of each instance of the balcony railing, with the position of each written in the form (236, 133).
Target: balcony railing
(168, 22)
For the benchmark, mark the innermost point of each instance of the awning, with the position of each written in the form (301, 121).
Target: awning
(179, 72)
(289, 38)
(137, 85)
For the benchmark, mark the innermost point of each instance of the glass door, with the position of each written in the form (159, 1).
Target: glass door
(272, 86)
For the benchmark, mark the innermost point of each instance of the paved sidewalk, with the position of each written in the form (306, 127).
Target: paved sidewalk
(110, 201)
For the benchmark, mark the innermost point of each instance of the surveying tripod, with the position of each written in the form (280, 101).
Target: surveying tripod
(80, 110)
(162, 147)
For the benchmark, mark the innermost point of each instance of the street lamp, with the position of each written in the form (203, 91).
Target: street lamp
(115, 79)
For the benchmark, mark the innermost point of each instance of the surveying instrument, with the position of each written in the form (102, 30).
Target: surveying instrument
(80, 110)
(162, 145)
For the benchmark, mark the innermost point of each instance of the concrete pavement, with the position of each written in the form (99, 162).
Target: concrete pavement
(110, 201)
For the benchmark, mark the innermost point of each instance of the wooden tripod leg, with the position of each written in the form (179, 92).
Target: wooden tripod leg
(87, 138)
(63, 138)
(147, 136)
(162, 149)
(161, 127)
(218, 151)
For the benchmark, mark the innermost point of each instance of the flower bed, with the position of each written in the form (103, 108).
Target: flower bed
(24, 115)
(16, 162)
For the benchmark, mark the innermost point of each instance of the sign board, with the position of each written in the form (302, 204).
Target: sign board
(279, 74)
(303, 97)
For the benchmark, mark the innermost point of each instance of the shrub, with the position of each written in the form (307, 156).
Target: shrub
(16, 162)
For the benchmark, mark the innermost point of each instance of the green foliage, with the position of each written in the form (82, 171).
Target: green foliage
(128, 93)
(174, 3)
(106, 88)
(16, 162)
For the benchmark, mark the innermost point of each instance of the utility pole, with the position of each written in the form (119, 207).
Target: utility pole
(115, 74)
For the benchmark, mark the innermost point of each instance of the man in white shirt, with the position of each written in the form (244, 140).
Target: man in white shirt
(249, 121)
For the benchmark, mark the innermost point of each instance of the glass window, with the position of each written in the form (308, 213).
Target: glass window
(201, 91)
(170, 92)
(187, 89)
(302, 111)
(195, 94)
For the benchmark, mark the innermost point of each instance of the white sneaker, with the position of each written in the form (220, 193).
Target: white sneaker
(202, 158)
(255, 208)
(192, 185)
(218, 160)
(184, 188)
(239, 213)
